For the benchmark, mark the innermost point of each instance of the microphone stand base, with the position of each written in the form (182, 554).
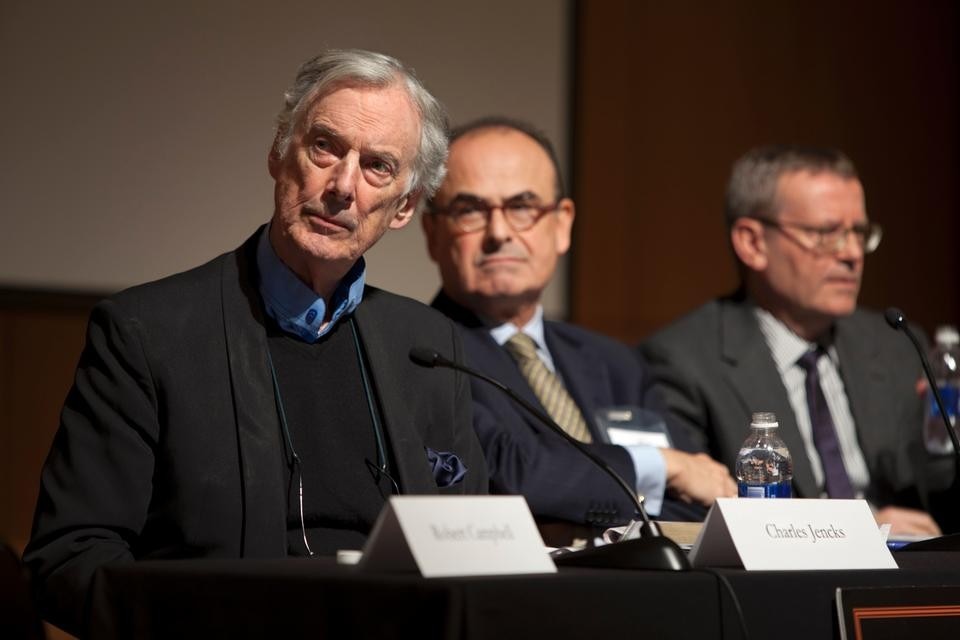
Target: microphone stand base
(949, 542)
(656, 554)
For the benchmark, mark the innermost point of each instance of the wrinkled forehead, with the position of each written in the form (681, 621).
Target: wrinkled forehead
(384, 114)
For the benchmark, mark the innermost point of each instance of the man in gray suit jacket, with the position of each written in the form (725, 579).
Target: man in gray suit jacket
(264, 404)
(799, 230)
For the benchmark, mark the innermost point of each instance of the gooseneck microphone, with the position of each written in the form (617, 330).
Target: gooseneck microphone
(428, 358)
(896, 319)
(949, 542)
(651, 550)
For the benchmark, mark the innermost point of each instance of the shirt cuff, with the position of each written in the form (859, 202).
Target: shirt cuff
(651, 470)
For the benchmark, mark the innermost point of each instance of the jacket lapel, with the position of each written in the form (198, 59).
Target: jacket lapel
(755, 378)
(496, 361)
(380, 350)
(264, 501)
(861, 370)
(584, 374)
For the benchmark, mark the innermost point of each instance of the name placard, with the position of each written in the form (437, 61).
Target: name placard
(446, 536)
(791, 534)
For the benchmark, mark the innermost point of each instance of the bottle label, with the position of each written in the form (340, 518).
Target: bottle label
(950, 395)
(771, 490)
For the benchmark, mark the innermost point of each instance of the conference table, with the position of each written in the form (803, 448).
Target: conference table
(317, 598)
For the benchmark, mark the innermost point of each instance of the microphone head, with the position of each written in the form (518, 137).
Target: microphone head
(894, 318)
(424, 357)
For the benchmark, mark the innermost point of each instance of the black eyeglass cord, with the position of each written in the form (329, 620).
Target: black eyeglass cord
(374, 414)
(295, 464)
(294, 458)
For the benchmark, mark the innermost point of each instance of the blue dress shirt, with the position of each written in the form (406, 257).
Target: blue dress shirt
(297, 308)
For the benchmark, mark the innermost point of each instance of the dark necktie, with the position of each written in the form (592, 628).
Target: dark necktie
(835, 477)
(547, 387)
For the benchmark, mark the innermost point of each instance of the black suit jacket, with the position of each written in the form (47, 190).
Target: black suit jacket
(526, 457)
(713, 369)
(170, 445)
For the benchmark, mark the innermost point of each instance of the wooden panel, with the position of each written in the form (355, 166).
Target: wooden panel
(38, 353)
(669, 94)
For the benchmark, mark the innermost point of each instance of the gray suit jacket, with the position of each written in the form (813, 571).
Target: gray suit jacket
(713, 369)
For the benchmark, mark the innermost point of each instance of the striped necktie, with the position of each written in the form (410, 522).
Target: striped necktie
(835, 478)
(547, 387)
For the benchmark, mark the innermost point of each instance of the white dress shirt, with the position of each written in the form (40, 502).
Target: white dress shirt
(786, 348)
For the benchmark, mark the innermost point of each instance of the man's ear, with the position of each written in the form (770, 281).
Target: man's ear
(429, 222)
(405, 210)
(273, 161)
(749, 243)
(566, 212)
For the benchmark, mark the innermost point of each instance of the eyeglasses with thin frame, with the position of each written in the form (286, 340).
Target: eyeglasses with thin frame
(471, 214)
(828, 240)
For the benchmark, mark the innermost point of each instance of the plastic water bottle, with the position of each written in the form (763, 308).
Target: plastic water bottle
(945, 363)
(764, 467)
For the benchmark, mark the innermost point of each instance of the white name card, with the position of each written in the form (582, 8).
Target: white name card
(456, 536)
(778, 534)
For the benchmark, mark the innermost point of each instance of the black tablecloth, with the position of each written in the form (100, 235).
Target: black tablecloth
(319, 599)
(802, 604)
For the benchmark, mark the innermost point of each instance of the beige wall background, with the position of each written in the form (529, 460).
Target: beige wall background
(135, 134)
(134, 145)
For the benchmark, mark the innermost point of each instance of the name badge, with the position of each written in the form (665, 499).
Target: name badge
(791, 534)
(627, 425)
(443, 536)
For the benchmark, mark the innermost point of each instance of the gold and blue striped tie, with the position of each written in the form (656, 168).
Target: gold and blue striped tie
(547, 387)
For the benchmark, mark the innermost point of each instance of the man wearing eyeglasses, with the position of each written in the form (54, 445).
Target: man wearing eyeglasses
(792, 341)
(496, 229)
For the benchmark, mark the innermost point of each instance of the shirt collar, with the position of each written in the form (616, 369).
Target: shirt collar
(297, 309)
(534, 328)
(785, 345)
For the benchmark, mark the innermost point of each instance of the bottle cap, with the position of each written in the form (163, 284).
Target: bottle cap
(947, 335)
(763, 420)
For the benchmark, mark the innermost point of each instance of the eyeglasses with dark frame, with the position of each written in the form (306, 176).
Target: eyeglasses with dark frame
(471, 214)
(828, 240)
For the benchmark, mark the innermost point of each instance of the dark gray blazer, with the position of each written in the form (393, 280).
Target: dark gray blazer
(170, 445)
(713, 369)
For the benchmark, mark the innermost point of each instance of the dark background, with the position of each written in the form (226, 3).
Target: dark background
(669, 94)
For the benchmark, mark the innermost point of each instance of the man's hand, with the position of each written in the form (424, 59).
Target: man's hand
(697, 477)
(907, 521)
